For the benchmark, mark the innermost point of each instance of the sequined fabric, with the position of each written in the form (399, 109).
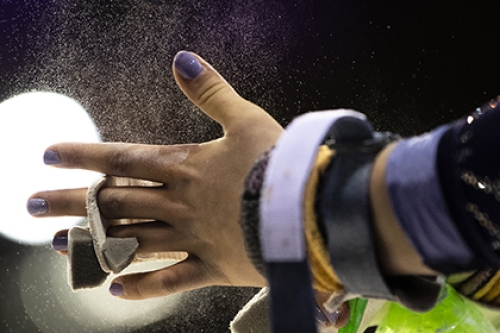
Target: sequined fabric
(469, 172)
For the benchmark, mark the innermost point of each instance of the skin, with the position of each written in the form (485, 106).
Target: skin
(396, 255)
(196, 207)
(196, 210)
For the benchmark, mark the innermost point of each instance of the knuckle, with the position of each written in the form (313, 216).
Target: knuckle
(169, 283)
(188, 211)
(207, 95)
(111, 203)
(119, 163)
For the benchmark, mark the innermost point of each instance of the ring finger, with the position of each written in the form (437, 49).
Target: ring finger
(153, 237)
(58, 203)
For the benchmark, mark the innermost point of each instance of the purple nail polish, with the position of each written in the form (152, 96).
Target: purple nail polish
(321, 317)
(333, 316)
(116, 289)
(51, 157)
(326, 318)
(187, 65)
(60, 242)
(37, 206)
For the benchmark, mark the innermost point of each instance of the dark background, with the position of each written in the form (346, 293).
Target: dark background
(409, 66)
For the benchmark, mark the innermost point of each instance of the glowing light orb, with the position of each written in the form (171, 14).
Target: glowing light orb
(28, 124)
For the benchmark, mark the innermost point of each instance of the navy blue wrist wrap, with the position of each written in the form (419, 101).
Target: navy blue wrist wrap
(344, 207)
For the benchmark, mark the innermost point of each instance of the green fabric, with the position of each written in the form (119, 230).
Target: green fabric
(357, 309)
(453, 314)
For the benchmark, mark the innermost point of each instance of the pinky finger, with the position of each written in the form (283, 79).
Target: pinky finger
(185, 275)
(60, 242)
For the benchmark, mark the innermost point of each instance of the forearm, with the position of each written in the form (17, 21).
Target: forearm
(395, 253)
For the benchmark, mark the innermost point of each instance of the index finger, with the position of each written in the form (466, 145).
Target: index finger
(150, 162)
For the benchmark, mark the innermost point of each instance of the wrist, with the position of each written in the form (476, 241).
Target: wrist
(396, 255)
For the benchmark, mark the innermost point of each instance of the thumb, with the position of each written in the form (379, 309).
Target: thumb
(182, 276)
(208, 90)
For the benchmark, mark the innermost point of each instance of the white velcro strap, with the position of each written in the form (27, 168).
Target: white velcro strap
(282, 199)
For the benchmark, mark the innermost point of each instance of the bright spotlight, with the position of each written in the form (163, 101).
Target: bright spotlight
(28, 124)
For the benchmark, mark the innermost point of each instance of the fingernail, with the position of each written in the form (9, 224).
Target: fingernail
(116, 289)
(333, 317)
(187, 65)
(37, 206)
(321, 317)
(51, 157)
(326, 318)
(60, 241)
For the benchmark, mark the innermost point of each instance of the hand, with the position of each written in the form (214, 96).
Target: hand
(196, 209)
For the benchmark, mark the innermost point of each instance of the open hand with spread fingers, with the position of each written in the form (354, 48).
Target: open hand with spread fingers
(195, 209)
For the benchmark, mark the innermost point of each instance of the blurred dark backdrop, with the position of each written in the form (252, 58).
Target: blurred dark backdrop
(409, 65)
